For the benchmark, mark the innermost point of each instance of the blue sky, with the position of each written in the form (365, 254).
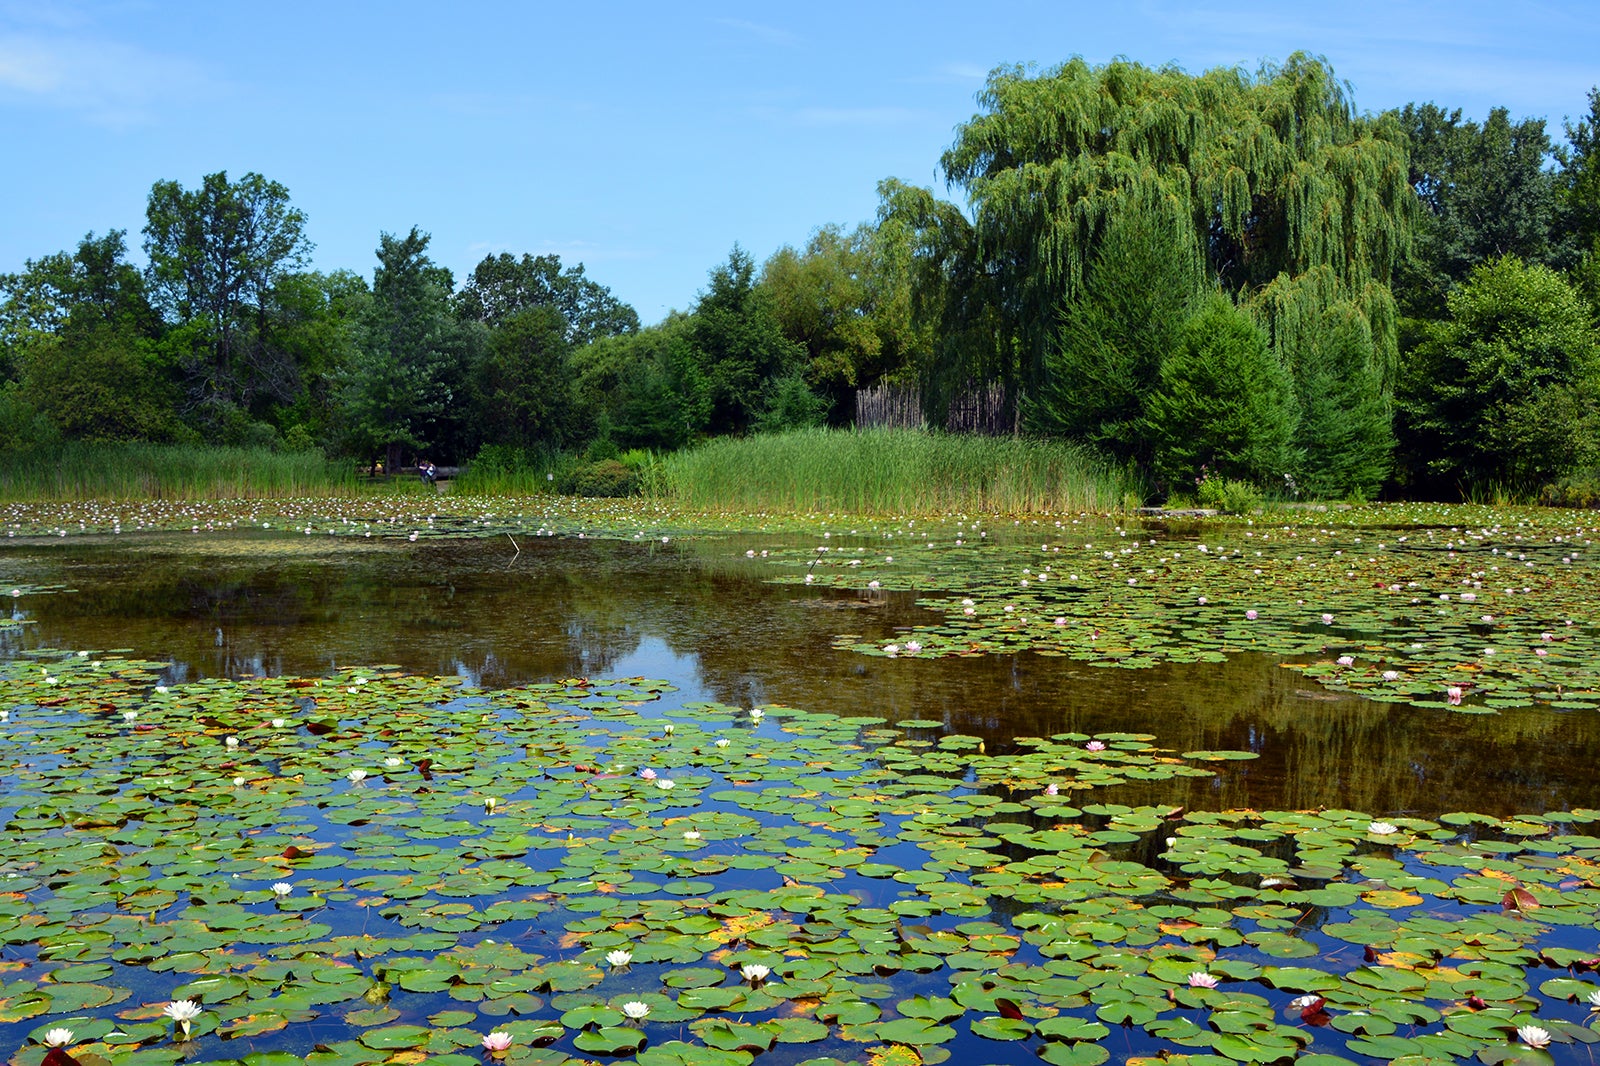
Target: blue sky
(642, 139)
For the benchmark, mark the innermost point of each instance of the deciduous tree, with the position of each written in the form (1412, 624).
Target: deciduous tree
(216, 254)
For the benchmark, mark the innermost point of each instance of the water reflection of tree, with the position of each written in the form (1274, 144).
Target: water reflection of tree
(563, 607)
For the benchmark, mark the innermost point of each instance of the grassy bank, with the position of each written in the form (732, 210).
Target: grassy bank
(165, 471)
(891, 472)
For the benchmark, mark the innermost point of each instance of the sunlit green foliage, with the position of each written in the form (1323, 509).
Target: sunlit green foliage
(1224, 405)
(891, 472)
(1145, 281)
(1504, 391)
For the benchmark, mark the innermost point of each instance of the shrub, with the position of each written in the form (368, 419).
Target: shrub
(607, 477)
(1228, 494)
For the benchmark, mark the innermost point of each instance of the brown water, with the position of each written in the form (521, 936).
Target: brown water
(703, 617)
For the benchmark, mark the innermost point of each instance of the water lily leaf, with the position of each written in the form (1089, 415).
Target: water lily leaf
(609, 1040)
(1002, 1028)
(395, 1036)
(733, 1036)
(1074, 1054)
(917, 1032)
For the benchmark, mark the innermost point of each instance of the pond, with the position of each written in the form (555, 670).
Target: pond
(993, 802)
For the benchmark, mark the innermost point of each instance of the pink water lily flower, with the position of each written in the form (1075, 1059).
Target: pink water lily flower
(1201, 979)
(497, 1041)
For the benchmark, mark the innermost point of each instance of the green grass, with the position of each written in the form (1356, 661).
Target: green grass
(892, 472)
(79, 471)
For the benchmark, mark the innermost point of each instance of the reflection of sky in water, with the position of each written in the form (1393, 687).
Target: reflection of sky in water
(652, 658)
(710, 623)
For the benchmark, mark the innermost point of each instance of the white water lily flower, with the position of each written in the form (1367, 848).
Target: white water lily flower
(664, 783)
(635, 1010)
(669, 729)
(1533, 1036)
(279, 723)
(392, 762)
(183, 1012)
(232, 742)
(756, 713)
(357, 776)
(723, 742)
(281, 888)
(1593, 1000)
(691, 834)
(128, 716)
(58, 1038)
(1382, 829)
(754, 972)
(1302, 1002)
(619, 957)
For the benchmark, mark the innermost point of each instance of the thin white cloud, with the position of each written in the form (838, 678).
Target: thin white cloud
(965, 72)
(108, 83)
(761, 31)
(858, 116)
(56, 16)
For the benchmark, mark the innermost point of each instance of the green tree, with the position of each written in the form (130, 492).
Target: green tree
(1340, 349)
(1144, 283)
(1275, 173)
(99, 380)
(739, 345)
(1486, 191)
(216, 253)
(1502, 394)
(954, 299)
(500, 286)
(644, 389)
(407, 387)
(525, 382)
(317, 323)
(95, 279)
(1224, 405)
(847, 299)
(1580, 175)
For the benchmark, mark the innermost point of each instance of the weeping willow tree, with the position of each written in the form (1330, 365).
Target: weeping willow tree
(1272, 176)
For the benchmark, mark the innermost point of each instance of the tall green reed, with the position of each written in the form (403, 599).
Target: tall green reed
(80, 471)
(892, 471)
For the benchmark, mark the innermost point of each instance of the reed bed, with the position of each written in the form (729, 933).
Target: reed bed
(78, 471)
(892, 471)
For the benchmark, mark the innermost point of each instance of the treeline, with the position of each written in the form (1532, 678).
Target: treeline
(1227, 276)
